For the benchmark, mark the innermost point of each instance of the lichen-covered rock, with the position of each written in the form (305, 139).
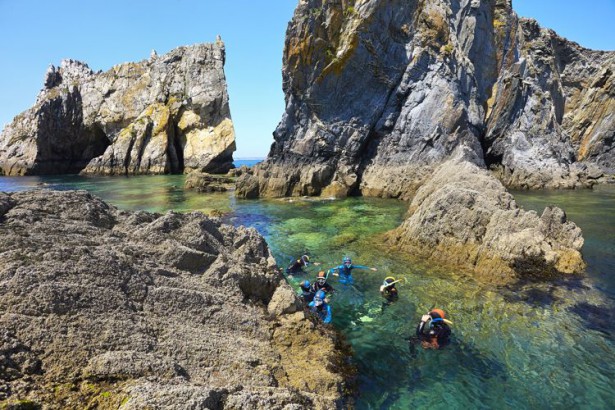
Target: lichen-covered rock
(379, 93)
(111, 309)
(464, 217)
(550, 119)
(166, 114)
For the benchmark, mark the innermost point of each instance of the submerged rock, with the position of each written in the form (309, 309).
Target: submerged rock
(163, 115)
(463, 217)
(379, 93)
(111, 309)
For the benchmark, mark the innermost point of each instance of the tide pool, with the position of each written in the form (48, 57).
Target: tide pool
(536, 345)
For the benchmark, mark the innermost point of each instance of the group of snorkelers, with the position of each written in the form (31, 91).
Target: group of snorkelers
(433, 330)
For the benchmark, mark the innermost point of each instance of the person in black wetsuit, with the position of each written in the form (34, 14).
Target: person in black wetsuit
(388, 289)
(321, 283)
(434, 331)
(297, 265)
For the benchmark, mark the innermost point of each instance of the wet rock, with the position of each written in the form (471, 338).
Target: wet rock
(163, 115)
(204, 182)
(463, 217)
(134, 310)
(237, 172)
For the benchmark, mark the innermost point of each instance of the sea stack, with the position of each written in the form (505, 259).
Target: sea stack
(379, 93)
(167, 114)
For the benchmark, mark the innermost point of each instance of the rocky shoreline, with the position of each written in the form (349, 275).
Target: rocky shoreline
(113, 309)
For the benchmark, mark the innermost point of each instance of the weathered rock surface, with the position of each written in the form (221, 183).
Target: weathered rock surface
(551, 118)
(379, 93)
(110, 309)
(464, 217)
(204, 182)
(164, 115)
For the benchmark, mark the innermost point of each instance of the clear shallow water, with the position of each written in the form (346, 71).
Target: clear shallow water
(548, 345)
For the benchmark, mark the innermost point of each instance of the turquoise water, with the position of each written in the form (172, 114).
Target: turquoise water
(540, 345)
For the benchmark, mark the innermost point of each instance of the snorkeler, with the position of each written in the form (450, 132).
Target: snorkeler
(434, 330)
(321, 283)
(388, 289)
(344, 271)
(320, 307)
(306, 294)
(297, 265)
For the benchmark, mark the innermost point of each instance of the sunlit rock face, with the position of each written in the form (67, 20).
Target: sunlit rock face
(114, 309)
(464, 217)
(378, 93)
(163, 115)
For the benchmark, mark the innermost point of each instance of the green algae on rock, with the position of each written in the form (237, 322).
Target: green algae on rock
(464, 217)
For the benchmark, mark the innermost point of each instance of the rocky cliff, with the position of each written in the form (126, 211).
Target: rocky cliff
(164, 115)
(101, 308)
(379, 92)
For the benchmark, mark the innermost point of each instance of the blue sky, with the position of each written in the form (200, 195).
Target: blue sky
(34, 34)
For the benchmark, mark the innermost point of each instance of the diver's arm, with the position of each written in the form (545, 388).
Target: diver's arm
(363, 267)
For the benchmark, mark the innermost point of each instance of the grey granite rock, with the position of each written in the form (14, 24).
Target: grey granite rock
(111, 309)
(166, 114)
(379, 93)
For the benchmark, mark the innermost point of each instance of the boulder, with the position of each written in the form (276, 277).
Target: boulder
(204, 182)
(463, 217)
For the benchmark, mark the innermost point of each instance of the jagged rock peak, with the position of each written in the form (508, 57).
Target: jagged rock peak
(378, 93)
(161, 115)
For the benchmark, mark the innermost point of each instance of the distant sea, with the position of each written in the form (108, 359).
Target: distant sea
(247, 161)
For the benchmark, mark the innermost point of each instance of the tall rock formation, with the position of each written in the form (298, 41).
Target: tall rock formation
(101, 308)
(168, 114)
(379, 92)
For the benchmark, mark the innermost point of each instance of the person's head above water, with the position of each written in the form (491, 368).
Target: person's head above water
(305, 260)
(319, 298)
(388, 280)
(305, 285)
(437, 314)
(347, 261)
(322, 277)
